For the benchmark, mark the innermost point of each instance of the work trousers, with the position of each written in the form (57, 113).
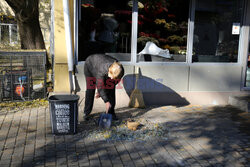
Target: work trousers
(90, 95)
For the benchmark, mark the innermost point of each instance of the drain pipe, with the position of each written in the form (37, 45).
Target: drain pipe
(69, 46)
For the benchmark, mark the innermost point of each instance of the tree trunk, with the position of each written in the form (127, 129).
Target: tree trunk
(30, 35)
(27, 16)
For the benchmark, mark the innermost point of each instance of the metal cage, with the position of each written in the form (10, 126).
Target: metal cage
(22, 75)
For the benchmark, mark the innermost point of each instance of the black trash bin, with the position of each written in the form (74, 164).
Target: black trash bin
(64, 113)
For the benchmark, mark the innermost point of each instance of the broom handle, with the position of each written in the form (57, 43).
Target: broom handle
(137, 76)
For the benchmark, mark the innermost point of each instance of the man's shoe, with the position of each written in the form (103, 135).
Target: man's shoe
(114, 117)
(86, 117)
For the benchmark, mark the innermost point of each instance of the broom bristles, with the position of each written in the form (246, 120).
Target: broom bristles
(136, 99)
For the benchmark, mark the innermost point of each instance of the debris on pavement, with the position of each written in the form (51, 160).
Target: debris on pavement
(132, 124)
(23, 104)
(120, 131)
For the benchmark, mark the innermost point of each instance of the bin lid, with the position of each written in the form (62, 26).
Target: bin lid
(65, 97)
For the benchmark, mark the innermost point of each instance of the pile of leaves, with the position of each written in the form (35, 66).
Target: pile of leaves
(23, 104)
(120, 132)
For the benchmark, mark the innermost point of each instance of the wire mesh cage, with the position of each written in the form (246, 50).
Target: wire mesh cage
(22, 75)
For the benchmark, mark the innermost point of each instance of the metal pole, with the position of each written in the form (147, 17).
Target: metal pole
(11, 81)
(0, 33)
(134, 32)
(52, 39)
(67, 26)
(29, 75)
(190, 34)
(10, 26)
(45, 74)
(76, 21)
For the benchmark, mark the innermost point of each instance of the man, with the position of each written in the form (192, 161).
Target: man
(102, 72)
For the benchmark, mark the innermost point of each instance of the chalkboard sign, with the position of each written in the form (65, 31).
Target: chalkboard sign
(64, 114)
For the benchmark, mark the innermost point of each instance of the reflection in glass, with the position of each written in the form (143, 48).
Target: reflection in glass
(216, 30)
(165, 23)
(105, 27)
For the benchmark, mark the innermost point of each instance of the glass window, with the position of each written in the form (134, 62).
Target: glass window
(162, 30)
(5, 33)
(216, 30)
(105, 27)
(14, 34)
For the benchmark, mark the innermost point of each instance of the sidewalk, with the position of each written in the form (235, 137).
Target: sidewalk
(193, 136)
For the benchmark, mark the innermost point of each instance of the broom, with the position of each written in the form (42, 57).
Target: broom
(136, 97)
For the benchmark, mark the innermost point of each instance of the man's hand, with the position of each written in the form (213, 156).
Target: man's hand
(108, 106)
(97, 95)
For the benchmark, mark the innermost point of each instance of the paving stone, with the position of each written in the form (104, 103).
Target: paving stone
(104, 158)
(94, 162)
(133, 154)
(73, 165)
(16, 164)
(61, 154)
(50, 163)
(156, 155)
(166, 155)
(83, 162)
(145, 156)
(5, 162)
(124, 155)
(113, 155)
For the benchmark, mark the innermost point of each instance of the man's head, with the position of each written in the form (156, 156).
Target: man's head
(116, 71)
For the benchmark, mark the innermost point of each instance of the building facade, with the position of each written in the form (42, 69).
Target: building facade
(198, 51)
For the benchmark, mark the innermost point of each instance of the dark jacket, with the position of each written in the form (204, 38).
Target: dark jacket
(97, 66)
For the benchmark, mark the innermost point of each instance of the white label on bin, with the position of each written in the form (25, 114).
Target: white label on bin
(62, 127)
(62, 106)
(61, 120)
(62, 113)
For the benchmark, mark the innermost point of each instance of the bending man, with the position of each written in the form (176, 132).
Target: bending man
(102, 72)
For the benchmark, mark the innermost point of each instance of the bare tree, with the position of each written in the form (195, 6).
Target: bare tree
(27, 16)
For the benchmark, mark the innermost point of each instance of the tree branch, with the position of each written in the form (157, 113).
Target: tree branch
(15, 4)
(24, 9)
